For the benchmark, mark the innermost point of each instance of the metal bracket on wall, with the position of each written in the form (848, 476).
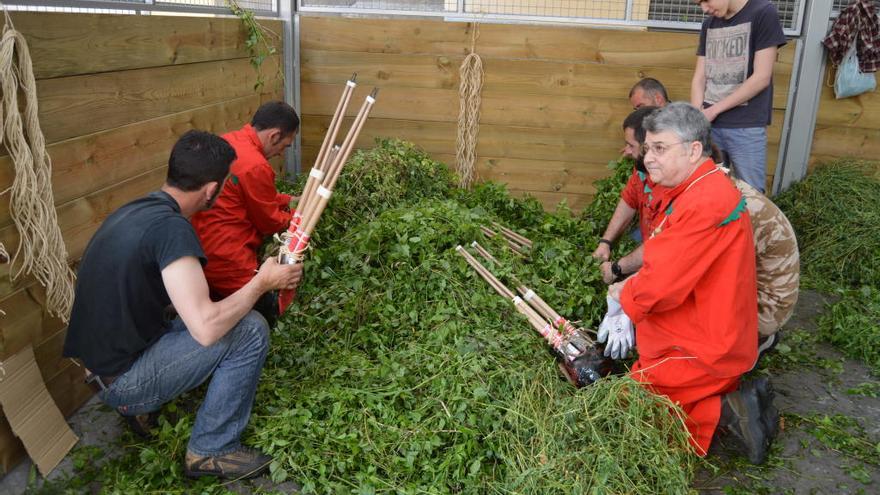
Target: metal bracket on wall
(804, 92)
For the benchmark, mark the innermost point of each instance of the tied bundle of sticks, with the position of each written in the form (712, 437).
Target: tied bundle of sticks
(575, 352)
(319, 186)
(516, 242)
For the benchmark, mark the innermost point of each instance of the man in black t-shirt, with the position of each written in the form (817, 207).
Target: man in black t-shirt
(146, 258)
(733, 79)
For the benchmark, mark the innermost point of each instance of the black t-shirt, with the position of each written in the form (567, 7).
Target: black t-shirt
(729, 46)
(120, 301)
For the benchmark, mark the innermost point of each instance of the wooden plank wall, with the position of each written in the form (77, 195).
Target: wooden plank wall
(846, 128)
(115, 92)
(553, 98)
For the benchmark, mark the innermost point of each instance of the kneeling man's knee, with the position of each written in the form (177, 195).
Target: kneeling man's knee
(257, 327)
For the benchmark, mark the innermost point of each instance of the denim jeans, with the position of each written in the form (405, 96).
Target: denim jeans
(747, 149)
(177, 363)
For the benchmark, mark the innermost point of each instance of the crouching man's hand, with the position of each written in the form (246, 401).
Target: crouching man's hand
(278, 276)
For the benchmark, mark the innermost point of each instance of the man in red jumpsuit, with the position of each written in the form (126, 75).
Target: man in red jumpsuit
(640, 195)
(693, 301)
(249, 207)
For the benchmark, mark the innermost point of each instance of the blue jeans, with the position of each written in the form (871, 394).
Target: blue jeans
(747, 148)
(177, 363)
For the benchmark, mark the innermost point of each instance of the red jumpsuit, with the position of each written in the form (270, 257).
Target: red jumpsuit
(693, 302)
(248, 209)
(642, 195)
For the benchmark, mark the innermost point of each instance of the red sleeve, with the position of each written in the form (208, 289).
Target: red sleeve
(675, 260)
(265, 206)
(630, 193)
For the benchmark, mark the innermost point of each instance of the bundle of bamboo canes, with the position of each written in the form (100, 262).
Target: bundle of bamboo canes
(319, 186)
(517, 243)
(576, 353)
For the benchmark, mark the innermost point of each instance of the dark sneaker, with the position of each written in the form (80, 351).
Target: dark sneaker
(241, 464)
(769, 413)
(741, 417)
(142, 424)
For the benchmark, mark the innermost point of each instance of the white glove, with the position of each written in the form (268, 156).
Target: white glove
(617, 328)
(614, 309)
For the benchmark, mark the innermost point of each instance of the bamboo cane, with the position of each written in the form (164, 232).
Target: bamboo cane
(308, 196)
(514, 236)
(319, 169)
(316, 207)
(546, 329)
(330, 136)
(531, 297)
(353, 134)
(299, 234)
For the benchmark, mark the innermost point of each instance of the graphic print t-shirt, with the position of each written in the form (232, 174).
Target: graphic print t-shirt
(729, 46)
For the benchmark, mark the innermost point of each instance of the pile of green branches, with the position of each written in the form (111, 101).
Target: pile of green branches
(399, 370)
(835, 213)
(852, 324)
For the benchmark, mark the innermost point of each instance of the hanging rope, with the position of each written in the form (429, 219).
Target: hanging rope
(41, 251)
(471, 75)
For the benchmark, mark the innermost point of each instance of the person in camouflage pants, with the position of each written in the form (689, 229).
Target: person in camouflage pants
(777, 260)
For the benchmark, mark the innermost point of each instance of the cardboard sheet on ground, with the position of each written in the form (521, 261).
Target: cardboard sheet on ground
(33, 415)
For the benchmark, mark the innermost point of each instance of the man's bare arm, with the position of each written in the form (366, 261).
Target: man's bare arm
(208, 321)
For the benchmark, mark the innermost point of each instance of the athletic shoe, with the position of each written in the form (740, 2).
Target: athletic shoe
(240, 464)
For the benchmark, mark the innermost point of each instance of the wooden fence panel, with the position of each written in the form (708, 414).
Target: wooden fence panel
(115, 92)
(847, 128)
(550, 94)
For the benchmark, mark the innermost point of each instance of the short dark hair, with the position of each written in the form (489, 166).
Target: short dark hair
(198, 158)
(276, 115)
(651, 86)
(634, 121)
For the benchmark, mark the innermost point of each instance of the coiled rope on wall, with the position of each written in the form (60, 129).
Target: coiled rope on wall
(41, 251)
(470, 85)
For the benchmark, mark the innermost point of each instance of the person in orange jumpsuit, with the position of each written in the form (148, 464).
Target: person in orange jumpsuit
(249, 207)
(693, 301)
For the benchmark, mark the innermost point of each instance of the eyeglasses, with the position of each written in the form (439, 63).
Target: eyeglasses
(659, 149)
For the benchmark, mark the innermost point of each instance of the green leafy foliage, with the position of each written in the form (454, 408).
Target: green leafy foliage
(399, 370)
(845, 436)
(259, 42)
(852, 324)
(835, 212)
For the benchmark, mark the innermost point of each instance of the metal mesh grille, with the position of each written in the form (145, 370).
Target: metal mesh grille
(689, 11)
(673, 13)
(261, 7)
(391, 5)
(598, 9)
(841, 4)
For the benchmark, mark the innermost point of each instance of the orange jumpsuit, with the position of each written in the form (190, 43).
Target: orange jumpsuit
(693, 302)
(248, 209)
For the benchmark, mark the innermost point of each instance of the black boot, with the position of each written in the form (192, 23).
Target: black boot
(769, 413)
(742, 418)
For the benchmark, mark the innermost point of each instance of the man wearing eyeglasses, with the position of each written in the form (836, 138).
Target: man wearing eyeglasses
(733, 79)
(693, 301)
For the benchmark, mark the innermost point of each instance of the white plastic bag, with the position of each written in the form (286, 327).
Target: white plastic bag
(850, 81)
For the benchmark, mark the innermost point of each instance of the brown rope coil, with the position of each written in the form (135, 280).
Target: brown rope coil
(41, 251)
(470, 85)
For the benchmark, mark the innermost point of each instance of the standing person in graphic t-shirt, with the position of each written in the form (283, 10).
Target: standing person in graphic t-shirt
(733, 81)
